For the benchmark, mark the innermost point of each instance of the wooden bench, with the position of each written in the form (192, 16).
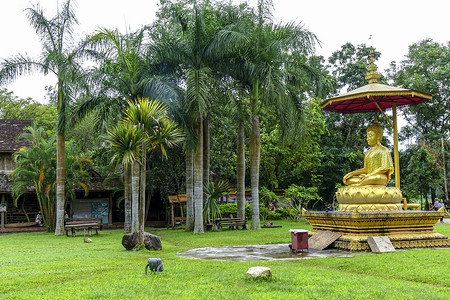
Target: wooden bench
(88, 220)
(232, 223)
(83, 225)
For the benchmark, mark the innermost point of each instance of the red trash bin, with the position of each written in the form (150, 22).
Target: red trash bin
(299, 239)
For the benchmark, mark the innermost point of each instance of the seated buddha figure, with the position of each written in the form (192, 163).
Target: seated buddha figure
(378, 166)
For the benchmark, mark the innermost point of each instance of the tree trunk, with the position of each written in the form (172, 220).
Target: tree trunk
(189, 191)
(142, 181)
(127, 193)
(135, 197)
(148, 199)
(60, 166)
(198, 181)
(444, 167)
(240, 169)
(206, 154)
(254, 149)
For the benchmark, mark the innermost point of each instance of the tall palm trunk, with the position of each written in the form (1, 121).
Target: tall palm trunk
(206, 154)
(135, 197)
(127, 187)
(142, 181)
(240, 168)
(189, 190)
(254, 169)
(60, 165)
(198, 180)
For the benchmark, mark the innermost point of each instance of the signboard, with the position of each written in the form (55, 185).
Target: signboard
(2, 207)
(100, 210)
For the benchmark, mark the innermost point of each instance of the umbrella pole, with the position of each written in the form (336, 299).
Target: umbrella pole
(396, 156)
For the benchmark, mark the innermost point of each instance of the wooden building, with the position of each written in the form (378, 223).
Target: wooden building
(98, 203)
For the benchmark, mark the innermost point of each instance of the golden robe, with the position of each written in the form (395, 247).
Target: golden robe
(379, 158)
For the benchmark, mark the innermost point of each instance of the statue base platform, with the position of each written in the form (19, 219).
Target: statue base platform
(405, 229)
(369, 198)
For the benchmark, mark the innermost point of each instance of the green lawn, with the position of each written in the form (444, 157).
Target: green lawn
(34, 266)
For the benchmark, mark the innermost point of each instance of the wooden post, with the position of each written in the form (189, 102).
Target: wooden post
(110, 203)
(172, 214)
(396, 156)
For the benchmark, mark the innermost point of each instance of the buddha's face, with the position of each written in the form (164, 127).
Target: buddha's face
(372, 138)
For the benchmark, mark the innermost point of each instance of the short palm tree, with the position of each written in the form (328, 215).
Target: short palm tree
(160, 132)
(145, 127)
(125, 141)
(213, 192)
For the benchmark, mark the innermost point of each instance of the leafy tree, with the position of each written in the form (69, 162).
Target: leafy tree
(301, 196)
(14, 108)
(421, 172)
(36, 166)
(426, 68)
(60, 56)
(213, 192)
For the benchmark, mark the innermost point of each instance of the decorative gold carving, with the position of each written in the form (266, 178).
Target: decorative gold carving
(372, 74)
(373, 194)
(370, 207)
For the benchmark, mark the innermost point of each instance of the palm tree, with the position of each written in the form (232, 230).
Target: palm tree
(201, 46)
(126, 72)
(160, 131)
(61, 57)
(125, 141)
(262, 74)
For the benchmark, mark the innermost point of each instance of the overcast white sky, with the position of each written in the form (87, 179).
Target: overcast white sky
(393, 24)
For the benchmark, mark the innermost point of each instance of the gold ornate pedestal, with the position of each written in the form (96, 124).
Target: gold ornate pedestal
(406, 229)
(369, 198)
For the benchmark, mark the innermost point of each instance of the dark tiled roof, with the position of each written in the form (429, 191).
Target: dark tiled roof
(9, 131)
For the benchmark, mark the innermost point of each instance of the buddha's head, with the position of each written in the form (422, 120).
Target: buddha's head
(374, 134)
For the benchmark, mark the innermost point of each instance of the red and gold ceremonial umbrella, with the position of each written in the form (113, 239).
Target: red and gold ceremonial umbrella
(376, 97)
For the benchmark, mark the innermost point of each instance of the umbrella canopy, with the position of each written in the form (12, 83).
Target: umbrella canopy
(374, 97)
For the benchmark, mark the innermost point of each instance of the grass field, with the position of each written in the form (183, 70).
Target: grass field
(43, 266)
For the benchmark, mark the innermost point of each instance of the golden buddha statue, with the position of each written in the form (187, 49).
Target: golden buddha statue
(378, 166)
(366, 188)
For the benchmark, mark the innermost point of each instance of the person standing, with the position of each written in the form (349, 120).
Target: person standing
(436, 204)
(441, 204)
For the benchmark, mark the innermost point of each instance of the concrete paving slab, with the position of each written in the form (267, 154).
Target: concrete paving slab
(259, 252)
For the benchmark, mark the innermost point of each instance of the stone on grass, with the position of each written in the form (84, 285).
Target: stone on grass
(259, 272)
(151, 241)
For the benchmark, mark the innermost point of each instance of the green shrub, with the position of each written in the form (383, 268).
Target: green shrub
(231, 208)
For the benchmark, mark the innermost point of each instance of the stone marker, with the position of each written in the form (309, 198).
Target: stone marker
(380, 244)
(256, 272)
(322, 239)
